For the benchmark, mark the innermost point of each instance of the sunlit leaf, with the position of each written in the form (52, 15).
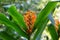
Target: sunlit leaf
(45, 12)
(42, 20)
(8, 23)
(17, 17)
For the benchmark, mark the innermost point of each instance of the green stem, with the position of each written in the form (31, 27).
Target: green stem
(29, 37)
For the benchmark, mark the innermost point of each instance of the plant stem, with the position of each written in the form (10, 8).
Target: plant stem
(29, 37)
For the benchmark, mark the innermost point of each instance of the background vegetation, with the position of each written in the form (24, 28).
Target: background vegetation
(9, 29)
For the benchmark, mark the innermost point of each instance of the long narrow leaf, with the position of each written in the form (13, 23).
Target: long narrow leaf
(8, 23)
(40, 29)
(52, 31)
(17, 17)
(42, 19)
(44, 13)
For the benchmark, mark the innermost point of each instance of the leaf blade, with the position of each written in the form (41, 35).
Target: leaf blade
(52, 31)
(45, 12)
(18, 18)
(8, 23)
(40, 29)
(42, 18)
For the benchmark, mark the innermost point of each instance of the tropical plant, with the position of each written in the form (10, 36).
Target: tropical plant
(18, 25)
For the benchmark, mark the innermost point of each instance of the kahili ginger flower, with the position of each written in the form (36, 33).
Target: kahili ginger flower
(30, 18)
(56, 24)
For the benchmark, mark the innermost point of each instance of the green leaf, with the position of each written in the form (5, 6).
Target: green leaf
(10, 24)
(17, 17)
(44, 13)
(40, 29)
(42, 19)
(6, 36)
(52, 31)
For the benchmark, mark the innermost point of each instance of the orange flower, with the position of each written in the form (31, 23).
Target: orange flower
(56, 24)
(29, 18)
